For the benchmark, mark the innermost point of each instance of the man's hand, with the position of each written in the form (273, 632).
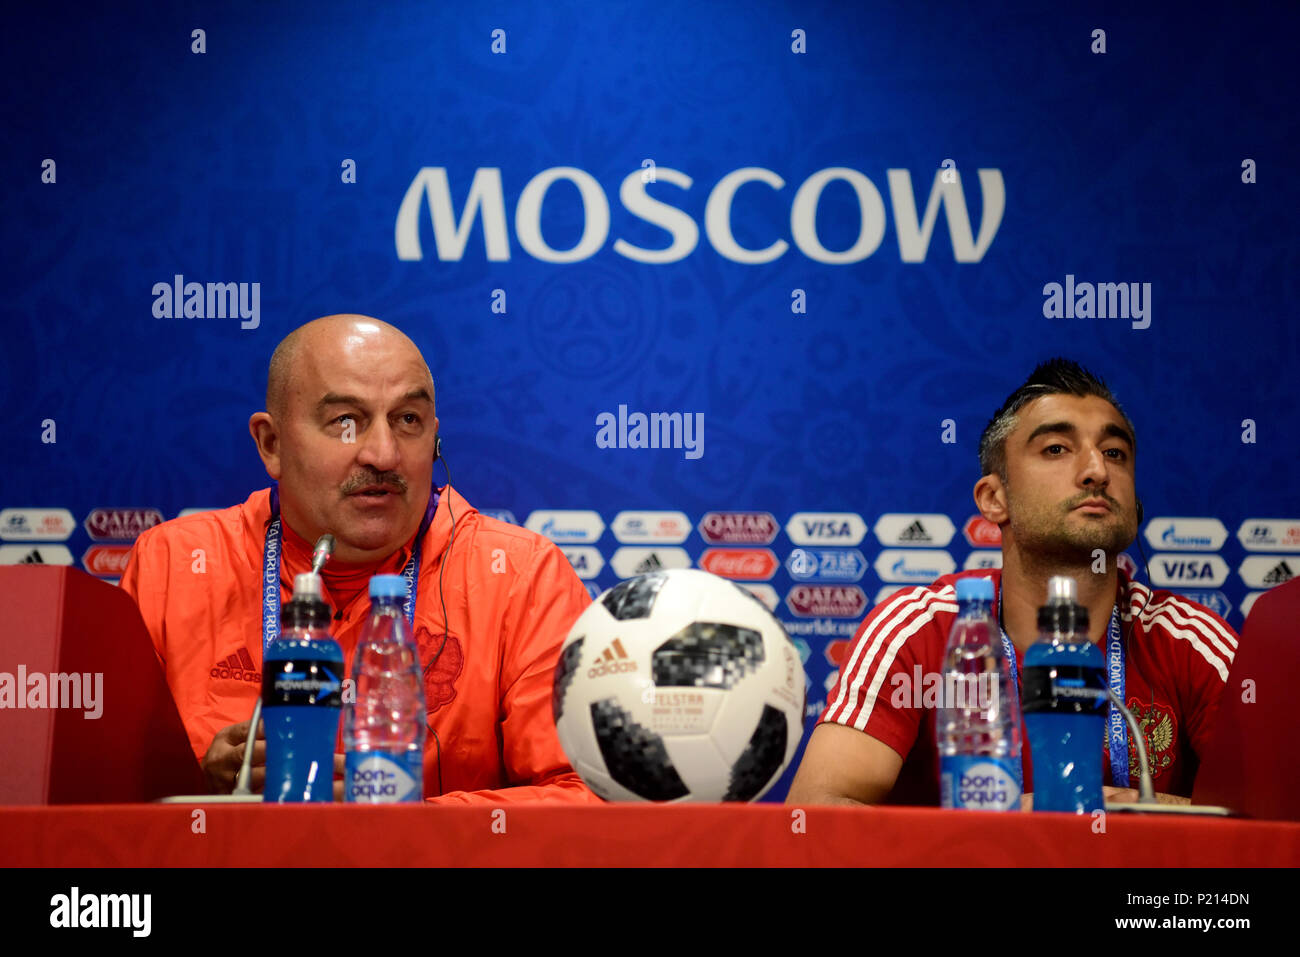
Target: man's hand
(1115, 796)
(226, 754)
(338, 777)
(1130, 796)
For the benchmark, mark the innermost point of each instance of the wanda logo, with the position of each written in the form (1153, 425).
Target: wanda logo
(747, 564)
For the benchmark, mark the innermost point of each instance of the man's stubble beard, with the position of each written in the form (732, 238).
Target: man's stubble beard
(1047, 532)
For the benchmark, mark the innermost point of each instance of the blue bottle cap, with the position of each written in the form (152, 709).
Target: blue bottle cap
(974, 589)
(388, 586)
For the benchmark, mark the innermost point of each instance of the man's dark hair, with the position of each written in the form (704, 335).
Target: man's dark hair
(1053, 377)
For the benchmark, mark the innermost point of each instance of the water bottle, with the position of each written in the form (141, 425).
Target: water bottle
(302, 683)
(978, 723)
(383, 729)
(1065, 705)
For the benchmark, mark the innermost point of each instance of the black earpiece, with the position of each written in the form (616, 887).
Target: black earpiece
(437, 454)
(1140, 513)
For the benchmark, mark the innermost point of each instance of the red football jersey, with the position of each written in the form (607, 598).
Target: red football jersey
(1177, 655)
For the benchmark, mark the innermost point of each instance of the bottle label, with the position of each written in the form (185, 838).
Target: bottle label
(978, 783)
(302, 681)
(1065, 688)
(371, 777)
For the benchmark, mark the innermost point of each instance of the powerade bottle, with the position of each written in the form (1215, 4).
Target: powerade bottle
(1065, 705)
(978, 722)
(383, 730)
(302, 683)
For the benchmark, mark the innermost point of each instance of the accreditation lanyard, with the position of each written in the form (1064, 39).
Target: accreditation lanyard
(1116, 729)
(271, 569)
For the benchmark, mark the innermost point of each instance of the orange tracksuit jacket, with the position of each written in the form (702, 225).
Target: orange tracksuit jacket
(511, 597)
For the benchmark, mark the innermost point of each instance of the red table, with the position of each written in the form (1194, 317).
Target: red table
(624, 835)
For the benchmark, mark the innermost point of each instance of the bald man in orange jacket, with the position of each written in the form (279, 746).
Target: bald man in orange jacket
(350, 436)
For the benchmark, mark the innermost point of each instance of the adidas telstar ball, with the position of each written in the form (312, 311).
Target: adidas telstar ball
(678, 686)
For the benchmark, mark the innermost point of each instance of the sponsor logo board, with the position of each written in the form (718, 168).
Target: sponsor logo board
(566, 526)
(924, 530)
(1265, 571)
(739, 528)
(983, 558)
(981, 533)
(120, 524)
(837, 652)
(1188, 571)
(826, 601)
(826, 528)
(1270, 534)
(1186, 534)
(748, 564)
(631, 560)
(668, 528)
(35, 553)
(826, 564)
(107, 560)
(31, 524)
(913, 566)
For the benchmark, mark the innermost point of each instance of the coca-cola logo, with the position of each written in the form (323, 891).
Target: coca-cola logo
(982, 533)
(106, 560)
(121, 524)
(749, 564)
(837, 651)
(826, 601)
(738, 528)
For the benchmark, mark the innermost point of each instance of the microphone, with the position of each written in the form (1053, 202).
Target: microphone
(1146, 802)
(322, 552)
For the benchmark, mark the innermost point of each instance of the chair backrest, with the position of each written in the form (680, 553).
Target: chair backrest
(1253, 762)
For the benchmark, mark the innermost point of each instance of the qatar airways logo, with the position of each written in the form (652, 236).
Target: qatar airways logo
(486, 204)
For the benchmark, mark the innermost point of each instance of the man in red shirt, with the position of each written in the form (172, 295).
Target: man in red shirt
(350, 435)
(1058, 479)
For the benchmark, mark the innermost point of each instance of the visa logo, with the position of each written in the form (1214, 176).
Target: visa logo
(824, 529)
(1188, 571)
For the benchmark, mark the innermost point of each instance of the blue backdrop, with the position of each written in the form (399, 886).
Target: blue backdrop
(305, 149)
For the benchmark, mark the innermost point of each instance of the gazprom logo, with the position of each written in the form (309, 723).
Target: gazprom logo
(566, 526)
(1186, 534)
(485, 203)
(913, 565)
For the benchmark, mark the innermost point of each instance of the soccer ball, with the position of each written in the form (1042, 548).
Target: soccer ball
(678, 686)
